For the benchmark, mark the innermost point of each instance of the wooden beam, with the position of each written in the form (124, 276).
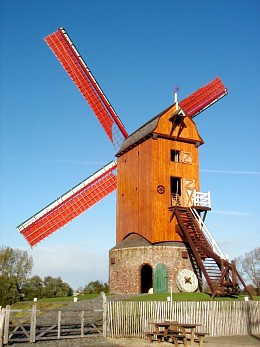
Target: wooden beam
(181, 139)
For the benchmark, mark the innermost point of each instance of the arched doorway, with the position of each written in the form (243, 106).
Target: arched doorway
(146, 278)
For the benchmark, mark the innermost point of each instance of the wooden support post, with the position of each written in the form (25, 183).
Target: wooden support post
(234, 273)
(2, 319)
(104, 314)
(244, 285)
(6, 325)
(33, 324)
(82, 324)
(59, 324)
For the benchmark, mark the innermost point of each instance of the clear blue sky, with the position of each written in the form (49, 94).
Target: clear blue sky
(138, 51)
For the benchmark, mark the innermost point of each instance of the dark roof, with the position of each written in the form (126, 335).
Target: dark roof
(133, 240)
(136, 240)
(141, 134)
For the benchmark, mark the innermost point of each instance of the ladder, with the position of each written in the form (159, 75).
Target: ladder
(220, 274)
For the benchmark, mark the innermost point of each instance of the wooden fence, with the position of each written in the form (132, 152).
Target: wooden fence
(219, 318)
(35, 325)
(132, 318)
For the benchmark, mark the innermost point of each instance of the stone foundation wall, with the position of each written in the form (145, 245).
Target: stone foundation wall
(125, 265)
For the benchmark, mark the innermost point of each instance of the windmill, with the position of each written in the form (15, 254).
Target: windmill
(94, 188)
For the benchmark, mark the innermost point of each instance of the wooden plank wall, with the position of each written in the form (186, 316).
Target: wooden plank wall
(134, 213)
(163, 170)
(140, 208)
(219, 318)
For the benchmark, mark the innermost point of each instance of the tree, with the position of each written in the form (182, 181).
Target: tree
(96, 287)
(8, 291)
(249, 267)
(55, 287)
(15, 268)
(33, 288)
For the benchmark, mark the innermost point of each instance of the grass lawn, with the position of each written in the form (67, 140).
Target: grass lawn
(187, 297)
(50, 303)
(70, 298)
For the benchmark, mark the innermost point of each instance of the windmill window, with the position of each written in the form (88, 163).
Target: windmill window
(184, 255)
(175, 191)
(175, 155)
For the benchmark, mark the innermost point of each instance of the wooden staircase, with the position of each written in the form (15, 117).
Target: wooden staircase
(220, 274)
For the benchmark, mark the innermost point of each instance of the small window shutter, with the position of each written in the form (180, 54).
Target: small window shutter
(186, 158)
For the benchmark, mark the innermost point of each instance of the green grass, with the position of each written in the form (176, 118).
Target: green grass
(187, 297)
(70, 298)
(50, 303)
(27, 305)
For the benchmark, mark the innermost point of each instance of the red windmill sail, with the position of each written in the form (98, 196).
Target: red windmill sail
(71, 60)
(70, 205)
(204, 97)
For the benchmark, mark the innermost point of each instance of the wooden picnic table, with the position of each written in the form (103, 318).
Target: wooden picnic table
(189, 328)
(164, 325)
(183, 328)
(162, 331)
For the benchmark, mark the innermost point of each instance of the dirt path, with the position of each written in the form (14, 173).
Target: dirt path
(96, 341)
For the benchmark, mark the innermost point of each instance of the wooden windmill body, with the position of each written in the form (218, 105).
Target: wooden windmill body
(160, 232)
(157, 169)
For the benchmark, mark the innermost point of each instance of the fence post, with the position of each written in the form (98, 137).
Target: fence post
(2, 319)
(33, 324)
(104, 314)
(59, 323)
(6, 324)
(82, 324)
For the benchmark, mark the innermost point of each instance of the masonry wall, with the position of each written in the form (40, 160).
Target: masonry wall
(126, 263)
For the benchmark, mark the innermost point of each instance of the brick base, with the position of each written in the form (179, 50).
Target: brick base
(126, 263)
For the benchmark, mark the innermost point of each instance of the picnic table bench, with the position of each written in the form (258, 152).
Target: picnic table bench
(155, 336)
(175, 331)
(200, 336)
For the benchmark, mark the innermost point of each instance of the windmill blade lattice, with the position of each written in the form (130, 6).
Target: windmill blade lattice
(204, 97)
(70, 205)
(72, 62)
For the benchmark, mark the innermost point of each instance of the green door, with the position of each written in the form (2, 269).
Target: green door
(160, 278)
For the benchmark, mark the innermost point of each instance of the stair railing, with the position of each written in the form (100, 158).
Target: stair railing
(207, 234)
(201, 199)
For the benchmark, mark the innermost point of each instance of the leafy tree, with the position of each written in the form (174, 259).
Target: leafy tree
(249, 267)
(33, 288)
(55, 287)
(15, 268)
(15, 283)
(96, 287)
(8, 291)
